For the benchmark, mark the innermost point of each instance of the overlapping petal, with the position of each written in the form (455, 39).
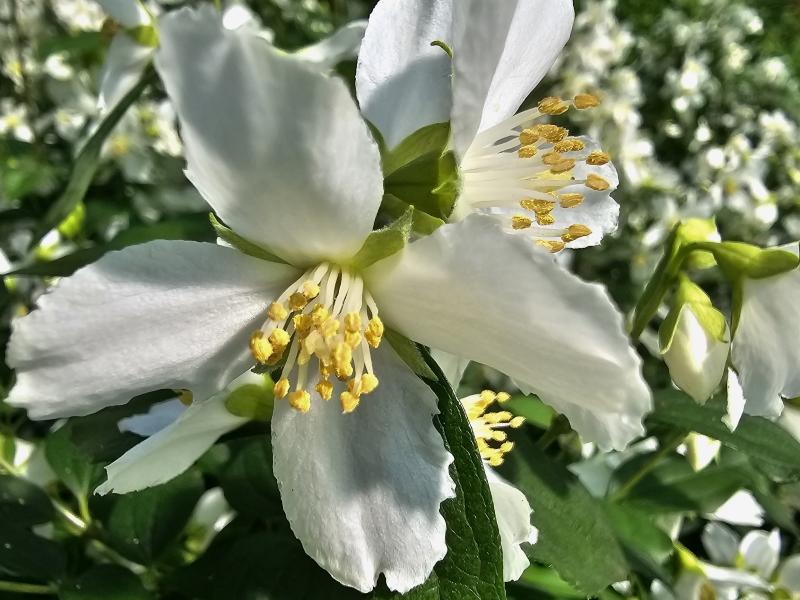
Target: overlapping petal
(126, 60)
(470, 289)
(362, 490)
(514, 523)
(262, 146)
(166, 314)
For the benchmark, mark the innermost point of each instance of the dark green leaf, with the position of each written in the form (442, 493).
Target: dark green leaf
(25, 554)
(22, 503)
(73, 466)
(105, 582)
(646, 546)
(575, 535)
(247, 480)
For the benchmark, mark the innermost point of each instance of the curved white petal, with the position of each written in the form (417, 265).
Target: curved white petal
(765, 351)
(735, 401)
(362, 490)
(761, 551)
(128, 13)
(789, 574)
(721, 543)
(160, 416)
(341, 45)
(125, 62)
(175, 448)
(402, 82)
(790, 420)
(451, 365)
(496, 299)
(741, 508)
(501, 51)
(514, 523)
(166, 314)
(277, 148)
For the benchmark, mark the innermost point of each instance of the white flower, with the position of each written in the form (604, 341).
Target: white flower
(529, 174)
(765, 351)
(511, 508)
(14, 121)
(262, 148)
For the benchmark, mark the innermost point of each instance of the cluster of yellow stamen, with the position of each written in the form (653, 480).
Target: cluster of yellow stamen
(493, 442)
(529, 164)
(329, 317)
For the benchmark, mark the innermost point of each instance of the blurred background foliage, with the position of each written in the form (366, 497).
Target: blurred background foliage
(701, 112)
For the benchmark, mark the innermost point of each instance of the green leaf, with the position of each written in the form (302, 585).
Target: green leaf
(252, 401)
(575, 535)
(73, 466)
(384, 242)
(88, 160)
(428, 141)
(410, 353)
(247, 480)
(105, 582)
(534, 410)
(25, 554)
(762, 440)
(421, 222)
(646, 546)
(241, 244)
(546, 580)
(23, 503)
(141, 525)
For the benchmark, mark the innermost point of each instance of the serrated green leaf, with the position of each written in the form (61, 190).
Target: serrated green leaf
(384, 242)
(105, 582)
(241, 244)
(23, 503)
(575, 535)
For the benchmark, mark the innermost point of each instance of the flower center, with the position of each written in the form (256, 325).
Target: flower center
(327, 315)
(488, 426)
(524, 164)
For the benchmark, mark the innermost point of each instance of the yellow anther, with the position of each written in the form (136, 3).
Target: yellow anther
(297, 301)
(506, 447)
(496, 460)
(552, 158)
(551, 245)
(319, 315)
(330, 328)
(575, 231)
(279, 339)
(552, 105)
(584, 101)
(570, 200)
(281, 388)
(352, 322)
(374, 331)
(598, 158)
(368, 383)
(503, 397)
(303, 324)
(324, 389)
(260, 347)
(527, 151)
(487, 397)
(552, 133)
(596, 182)
(349, 401)
(563, 166)
(517, 422)
(352, 339)
(569, 145)
(520, 222)
(537, 205)
(545, 219)
(277, 312)
(300, 400)
(342, 355)
(528, 137)
(310, 290)
(185, 397)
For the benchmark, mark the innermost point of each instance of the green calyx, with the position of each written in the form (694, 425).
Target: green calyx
(739, 260)
(695, 230)
(252, 401)
(690, 296)
(384, 242)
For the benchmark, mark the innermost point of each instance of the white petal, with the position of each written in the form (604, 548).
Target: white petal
(452, 366)
(735, 401)
(166, 314)
(402, 82)
(740, 509)
(160, 416)
(721, 543)
(765, 351)
(175, 448)
(514, 523)
(496, 299)
(789, 574)
(725, 578)
(125, 62)
(261, 144)
(501, 50)
(341, 45)
(761, 551)
(701, 450)
(128, 13)
(362, 490)
(790, 420)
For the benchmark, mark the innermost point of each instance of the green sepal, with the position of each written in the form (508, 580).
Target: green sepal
(425, 142)
(690, 296)
(384, 242)
(144, 35)
(449, 184)
(421, 222)
(698, 230)
(737, 259)
(241, 244)
(409, 352)
(252, 401)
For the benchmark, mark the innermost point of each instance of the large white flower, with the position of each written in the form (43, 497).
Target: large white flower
(263, 149)
(525, 171)
(765, 351)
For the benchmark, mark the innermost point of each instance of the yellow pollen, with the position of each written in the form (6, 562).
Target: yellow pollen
(310, 290)
(584, 101)
(281, 388)
(352, 322)
(297, 301)
(277, 312)
(507, 447)
(496, 460)
(499, 436)
(503, 397)
(520, 222)
(300, 400)
(349, 401)
(575, 232)
(528, 137)
(552, 133)
(374, 332)
(569, 145)
(368, 383)
(342, 356)
(303, 324)
(562, 167)
(536, 205)
(596, 182)
(552, 246)
(279, 339)
(319, 315)
(545, 219)
(324, 389)
(570, 200)
(598, 158)
(527, 151)
(552, 158)
(517, 422)
(260, 347)
(552, 105)
(185, 397)
(352, 338)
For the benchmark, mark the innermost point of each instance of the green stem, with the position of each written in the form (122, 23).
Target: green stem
(26, 588)
(668, 447)
(559, 425)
